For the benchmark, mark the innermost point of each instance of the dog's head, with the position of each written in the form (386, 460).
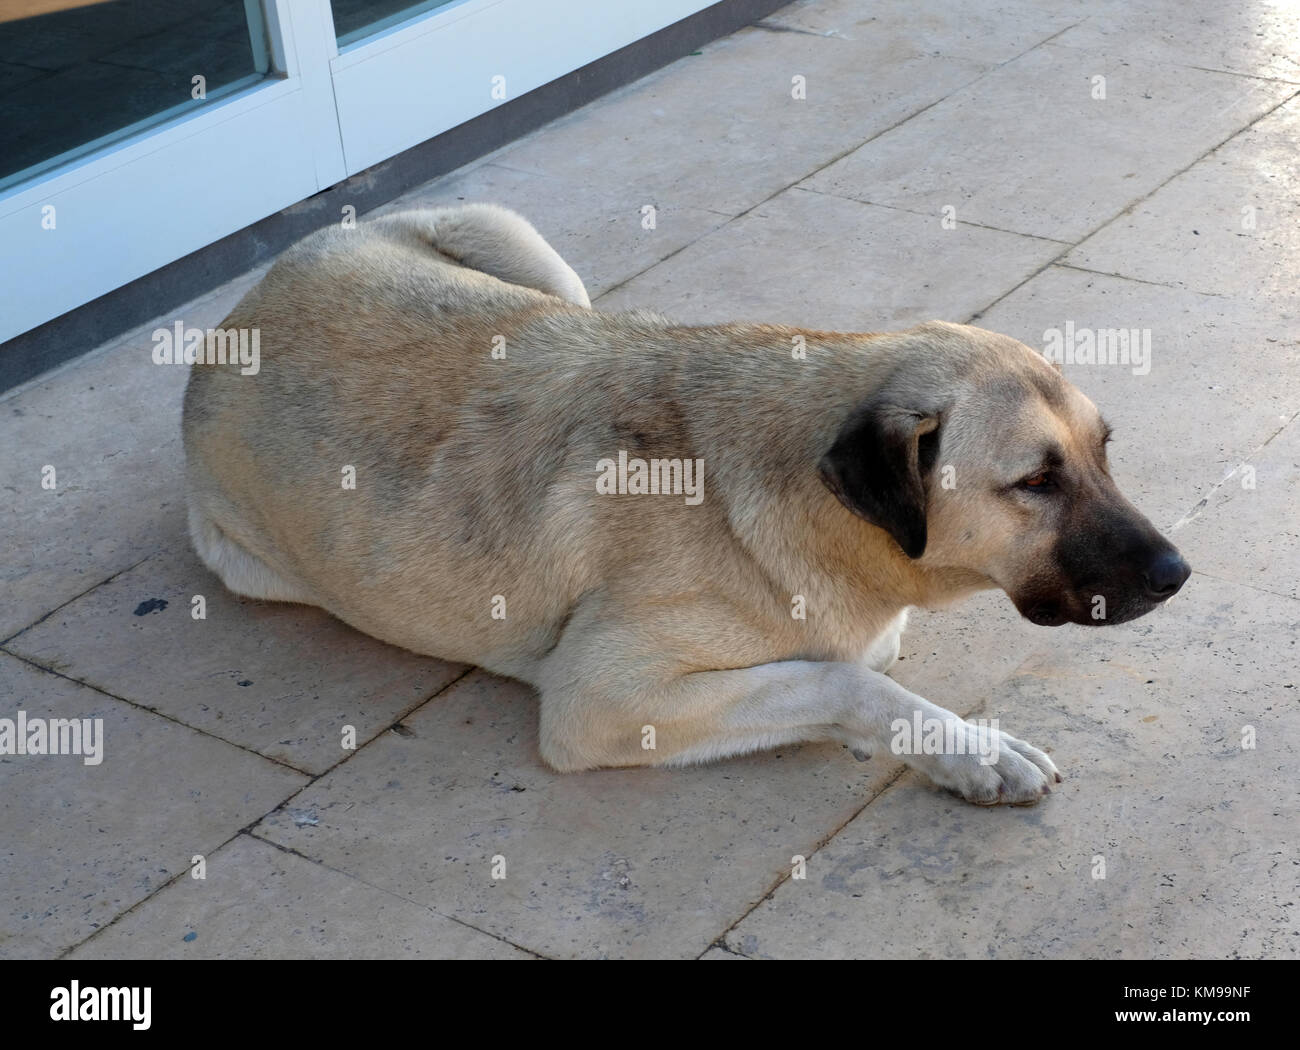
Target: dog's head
(976, 454)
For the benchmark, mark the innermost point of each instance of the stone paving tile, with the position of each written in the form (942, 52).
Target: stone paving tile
(956, 657)
(1222, 227)
(1249, 528)
(1222, 378)
(282, 680)
(823, 262)
(722, 131)
(259, 902)
(1196, 833)
(79, 844)
(1254, 39)
(1059, 162)
(614, 863)
(987, 32)
(109, 425)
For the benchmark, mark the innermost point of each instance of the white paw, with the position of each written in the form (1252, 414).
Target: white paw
(990, 768)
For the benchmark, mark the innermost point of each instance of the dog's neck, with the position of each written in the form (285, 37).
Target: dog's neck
(803, 538)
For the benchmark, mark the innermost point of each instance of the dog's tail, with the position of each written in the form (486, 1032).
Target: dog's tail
(496, 241)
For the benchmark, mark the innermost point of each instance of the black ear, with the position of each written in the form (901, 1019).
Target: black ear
(876, 468)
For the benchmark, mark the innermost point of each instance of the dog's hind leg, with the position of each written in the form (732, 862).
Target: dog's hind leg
(243, 573)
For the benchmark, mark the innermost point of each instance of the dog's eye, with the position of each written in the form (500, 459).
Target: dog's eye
(1039, 482)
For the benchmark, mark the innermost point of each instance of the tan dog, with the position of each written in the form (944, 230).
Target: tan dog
(694, 542)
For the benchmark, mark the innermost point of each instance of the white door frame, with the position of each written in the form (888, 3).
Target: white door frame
(419, 78)
(107, 218)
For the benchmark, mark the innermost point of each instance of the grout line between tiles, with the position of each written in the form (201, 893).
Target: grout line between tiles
(1132, 206)
(153, 711)
(1249, 586)
(930, 215)
(1138, 280)
(406, 713)
(247, 828)
(965, 712)
(1204, 501)
(820, 844)
(63, 605)
(1247, 76)
(389, 892)
(722, 948)
(834, 160)
(771, 196)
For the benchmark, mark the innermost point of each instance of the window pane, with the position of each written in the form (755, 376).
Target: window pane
(355, 19)
(77, 74)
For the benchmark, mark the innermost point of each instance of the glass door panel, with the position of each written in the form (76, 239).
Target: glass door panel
(356, 19)
(77, 75)
(117, 161)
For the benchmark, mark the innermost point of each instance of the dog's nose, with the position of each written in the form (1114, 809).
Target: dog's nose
(1166, 574)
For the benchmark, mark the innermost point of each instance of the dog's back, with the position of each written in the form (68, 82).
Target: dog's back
(466, 406)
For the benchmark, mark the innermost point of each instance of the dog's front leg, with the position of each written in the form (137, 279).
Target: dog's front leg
(712, 714)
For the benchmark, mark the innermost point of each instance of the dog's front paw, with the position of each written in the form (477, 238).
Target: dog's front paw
(988, 767)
